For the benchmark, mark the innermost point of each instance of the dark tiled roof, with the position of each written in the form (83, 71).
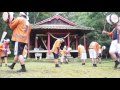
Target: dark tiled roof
(48, 26)
(56, 17)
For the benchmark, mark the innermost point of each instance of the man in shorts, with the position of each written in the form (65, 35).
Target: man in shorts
(99, 55)
(94, 52)
(56, 50)
(82, 53)
(113, 51)
(20, 37)
(64, 55)
(6, 50)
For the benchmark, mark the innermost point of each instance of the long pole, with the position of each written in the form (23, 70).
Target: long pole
(29, 46)
(36, 42)
(85, 41)
(48, 45)
(76, 42)
(69, 40)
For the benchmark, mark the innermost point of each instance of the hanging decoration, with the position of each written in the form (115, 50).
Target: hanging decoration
(59, 38)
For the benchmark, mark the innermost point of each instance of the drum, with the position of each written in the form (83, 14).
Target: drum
(112, 19)
(8, 16)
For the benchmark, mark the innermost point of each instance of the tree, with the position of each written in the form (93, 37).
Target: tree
(39, 16)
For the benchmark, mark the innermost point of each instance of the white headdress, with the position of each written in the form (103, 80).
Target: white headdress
(24, 14)
(6, 40)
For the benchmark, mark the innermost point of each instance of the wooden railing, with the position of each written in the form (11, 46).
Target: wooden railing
(45, 51)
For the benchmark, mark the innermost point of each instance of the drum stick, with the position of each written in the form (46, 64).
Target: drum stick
(7, 17)
(3, 36)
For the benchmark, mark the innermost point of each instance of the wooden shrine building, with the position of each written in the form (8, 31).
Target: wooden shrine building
(44, 34)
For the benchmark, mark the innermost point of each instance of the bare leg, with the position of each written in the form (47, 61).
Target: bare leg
(99, 60)
(56, 63)
(13, 64)
(66, 60)
(113, 56)
(91, 60)
(61, 59)
(21, 59)
(22, 62)
(83, 62)
(15, 59)
(5, 58)
(94, 62)
(115, 59)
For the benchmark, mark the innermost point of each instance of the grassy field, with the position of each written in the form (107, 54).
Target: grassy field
(46, 69)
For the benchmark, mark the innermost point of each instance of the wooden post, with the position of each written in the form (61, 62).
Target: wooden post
(85, 41)
(76, 42)
(69, 55)
(36, 42)
(69, 40)
(48, 44)
(28, 47)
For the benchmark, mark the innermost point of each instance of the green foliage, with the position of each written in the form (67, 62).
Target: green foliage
(39, 16)
(96, 20)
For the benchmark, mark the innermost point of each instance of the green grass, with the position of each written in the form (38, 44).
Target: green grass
(46, 69)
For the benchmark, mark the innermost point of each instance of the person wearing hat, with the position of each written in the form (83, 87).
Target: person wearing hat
(114, 50)
(113, 46)
(56, 50)
(7, 50)
(20, 37)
